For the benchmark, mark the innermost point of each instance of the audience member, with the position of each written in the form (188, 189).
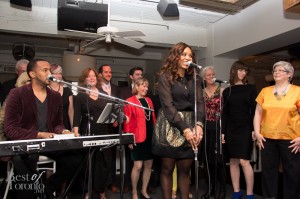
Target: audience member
(277, 132)
(175, 137)
(237, 117)
(21, 66)
(22, 80)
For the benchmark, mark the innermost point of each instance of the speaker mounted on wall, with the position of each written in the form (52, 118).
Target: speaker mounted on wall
(23, 51)
(168, 8)
(80, 15)
(24, 3)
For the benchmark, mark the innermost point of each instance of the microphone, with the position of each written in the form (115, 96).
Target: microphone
(220, 81)
(191, 64)
(53, 79)
(89, 86)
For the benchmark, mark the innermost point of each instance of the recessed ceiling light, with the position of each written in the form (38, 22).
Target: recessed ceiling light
(230, 1)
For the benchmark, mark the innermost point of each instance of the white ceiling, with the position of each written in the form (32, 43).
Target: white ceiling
(146, 11)
(123, 12)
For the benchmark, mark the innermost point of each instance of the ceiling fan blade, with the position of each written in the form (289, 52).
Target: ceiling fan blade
(129, 42)
(92, 42)
(131, 33)
(83, 32)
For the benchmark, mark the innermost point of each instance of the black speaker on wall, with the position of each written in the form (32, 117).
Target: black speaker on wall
(80, 15)
(24, 3)
(168, 8)
(23, 51)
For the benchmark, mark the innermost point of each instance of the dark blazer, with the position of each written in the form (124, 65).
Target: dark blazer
(125, 92)
(20, 121)
(114, 90)
(6, 87)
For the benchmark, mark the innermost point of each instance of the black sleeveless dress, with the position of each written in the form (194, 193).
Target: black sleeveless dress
(142, 151)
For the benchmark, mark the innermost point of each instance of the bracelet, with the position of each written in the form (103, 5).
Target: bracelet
(66, 130)
(185, 131)
(199, 124)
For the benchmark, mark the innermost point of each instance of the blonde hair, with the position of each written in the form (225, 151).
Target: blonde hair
(22, 80)
(138, 82)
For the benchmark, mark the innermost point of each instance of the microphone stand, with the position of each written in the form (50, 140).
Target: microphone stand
(105, 96)
(88, 114)
(218, 143)
(121, 103)
(195, 127)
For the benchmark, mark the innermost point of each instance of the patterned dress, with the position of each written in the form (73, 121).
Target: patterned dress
(212, 124)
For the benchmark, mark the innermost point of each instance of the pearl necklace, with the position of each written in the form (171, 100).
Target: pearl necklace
(147, 115)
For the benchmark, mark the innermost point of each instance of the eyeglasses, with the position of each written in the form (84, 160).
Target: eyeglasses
(279, 71)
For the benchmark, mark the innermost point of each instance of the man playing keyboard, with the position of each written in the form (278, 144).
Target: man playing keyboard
(35, 111)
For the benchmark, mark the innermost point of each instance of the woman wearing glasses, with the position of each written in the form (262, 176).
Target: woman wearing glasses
(277, 132)
(237, 120)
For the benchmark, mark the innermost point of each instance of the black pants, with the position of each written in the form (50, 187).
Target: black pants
(275, 151)
(67, 162)
(26, 180)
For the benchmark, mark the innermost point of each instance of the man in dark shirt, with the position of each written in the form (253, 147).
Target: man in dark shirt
(35, 111)
(21, 66)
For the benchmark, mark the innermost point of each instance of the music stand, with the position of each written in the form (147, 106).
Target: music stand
(109, 114)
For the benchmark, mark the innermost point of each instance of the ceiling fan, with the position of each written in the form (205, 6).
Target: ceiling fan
(109, 34)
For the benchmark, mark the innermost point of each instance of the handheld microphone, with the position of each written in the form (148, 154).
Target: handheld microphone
(220, 81)
(191, 64)
(89, 86)
(53, 79)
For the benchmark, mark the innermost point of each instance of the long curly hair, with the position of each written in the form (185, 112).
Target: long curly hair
(170, 65)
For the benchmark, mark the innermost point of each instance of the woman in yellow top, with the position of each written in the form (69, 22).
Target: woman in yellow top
(277, 131)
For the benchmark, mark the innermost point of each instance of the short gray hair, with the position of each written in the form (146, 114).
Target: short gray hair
(20, 62)
(207, 68)
(287, 66)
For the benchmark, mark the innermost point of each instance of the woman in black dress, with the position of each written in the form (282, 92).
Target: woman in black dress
(140, 122)
(175, 137)
(66, 94)
(88, 106)
(237, 120)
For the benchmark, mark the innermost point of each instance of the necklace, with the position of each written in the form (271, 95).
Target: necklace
(147, 113)
(283, 92)
(53, 89)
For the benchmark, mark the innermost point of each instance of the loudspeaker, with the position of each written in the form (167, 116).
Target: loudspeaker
(23, 51)
(168, 8)
(24, 3)
(80, 15)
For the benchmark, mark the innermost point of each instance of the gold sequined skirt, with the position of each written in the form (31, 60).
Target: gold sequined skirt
(168, 141)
